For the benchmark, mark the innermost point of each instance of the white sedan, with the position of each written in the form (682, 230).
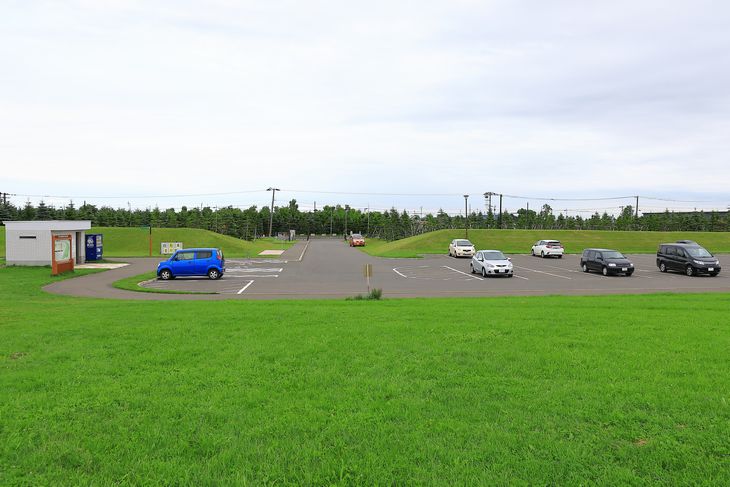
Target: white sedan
(546, 248)
(460, 247)
(491, 263)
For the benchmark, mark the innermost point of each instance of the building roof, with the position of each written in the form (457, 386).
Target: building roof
(49, 225)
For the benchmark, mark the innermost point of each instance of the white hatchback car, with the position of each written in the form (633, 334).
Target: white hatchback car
(460, 247)
(491, 263)
(546, 248)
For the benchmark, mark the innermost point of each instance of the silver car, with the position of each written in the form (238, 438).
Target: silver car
(491, 263)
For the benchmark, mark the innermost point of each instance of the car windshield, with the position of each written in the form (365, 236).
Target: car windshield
(612, 254)
(463, 243)
(494, 256)
(698, 252)
(356, 235)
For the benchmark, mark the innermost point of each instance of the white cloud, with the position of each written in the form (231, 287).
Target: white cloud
(418, 97)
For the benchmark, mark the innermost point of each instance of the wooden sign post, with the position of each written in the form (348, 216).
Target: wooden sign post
(367, 271)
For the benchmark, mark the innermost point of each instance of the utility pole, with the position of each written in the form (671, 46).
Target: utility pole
(368, 232)
(271, 215)
(347, 209)
(637, 207)
(466, 216)
(500, 211)
(332, 214)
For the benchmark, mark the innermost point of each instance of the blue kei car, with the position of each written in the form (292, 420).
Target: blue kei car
(193, 262)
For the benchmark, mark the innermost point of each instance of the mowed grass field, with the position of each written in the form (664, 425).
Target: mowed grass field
(520, 241)
(614, 390)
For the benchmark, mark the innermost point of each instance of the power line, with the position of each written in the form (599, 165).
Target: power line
(190, 195)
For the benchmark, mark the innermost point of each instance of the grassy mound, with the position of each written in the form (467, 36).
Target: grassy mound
(133, 242)
(520, 241)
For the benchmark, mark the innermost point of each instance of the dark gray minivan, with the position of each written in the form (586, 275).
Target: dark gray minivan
(687, 257)
(606, 261)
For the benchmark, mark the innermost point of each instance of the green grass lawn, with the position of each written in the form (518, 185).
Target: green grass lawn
(132, 284)
(520, 241)
(134, 242)
(614, 390)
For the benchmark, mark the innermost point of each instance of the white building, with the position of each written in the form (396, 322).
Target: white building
(29, 243)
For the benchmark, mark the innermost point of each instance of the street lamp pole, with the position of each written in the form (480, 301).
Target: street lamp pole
(347, 209)
(466, 216)
(271, 213)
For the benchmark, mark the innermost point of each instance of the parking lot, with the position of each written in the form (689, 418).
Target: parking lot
(331, 269)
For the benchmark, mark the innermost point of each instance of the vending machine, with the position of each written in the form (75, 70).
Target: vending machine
(94, 246)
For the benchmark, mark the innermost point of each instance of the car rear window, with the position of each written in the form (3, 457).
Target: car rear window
(205, 254)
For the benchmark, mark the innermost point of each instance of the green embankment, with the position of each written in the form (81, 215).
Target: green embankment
(520, 241)
(544, 391)
(134, 242)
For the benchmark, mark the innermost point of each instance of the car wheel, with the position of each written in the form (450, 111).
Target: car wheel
(471, 268)
(542, 254)
(713, 274)
(560, 256)
(690, 270)
(662, 267)
(484, 272)
(214, 274)
(584, 267)
(604, 270)
(510, 275)
(532, 251)
(629, 274)
(165, 275)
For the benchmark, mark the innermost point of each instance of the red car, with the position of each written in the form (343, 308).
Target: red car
(356, 240)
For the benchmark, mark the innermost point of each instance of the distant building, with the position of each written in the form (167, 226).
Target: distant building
(29, 242)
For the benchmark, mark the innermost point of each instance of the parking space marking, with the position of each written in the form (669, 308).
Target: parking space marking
(543, 272)
(245, 287)
(255, 269)
(460, 272)
(563, 268)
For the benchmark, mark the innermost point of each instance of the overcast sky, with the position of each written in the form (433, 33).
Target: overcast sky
(552, 99)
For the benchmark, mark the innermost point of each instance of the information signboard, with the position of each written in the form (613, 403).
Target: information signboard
(168, 248)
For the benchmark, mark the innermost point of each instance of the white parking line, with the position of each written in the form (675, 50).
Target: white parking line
(562, 268)
(520, 277)
(460, 272)
(244, 287)
(395, 269)
(543, 272)
(255, 269)
(238, 276)
(303, 251)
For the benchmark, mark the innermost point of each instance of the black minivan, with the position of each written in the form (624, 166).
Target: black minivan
(606, 261)
(690, 258)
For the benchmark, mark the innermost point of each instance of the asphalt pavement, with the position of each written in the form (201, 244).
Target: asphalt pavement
(324, 268)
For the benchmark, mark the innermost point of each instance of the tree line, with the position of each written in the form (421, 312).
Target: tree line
(253, 222)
